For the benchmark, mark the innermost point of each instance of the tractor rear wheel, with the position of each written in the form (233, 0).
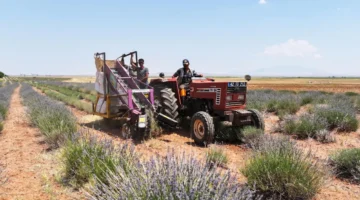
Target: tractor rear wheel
(166, 103)
(202, 128)
(257, 119)
(169, 103)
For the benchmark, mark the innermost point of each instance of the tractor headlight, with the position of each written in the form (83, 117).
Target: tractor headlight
(241, 97)
(228, 97)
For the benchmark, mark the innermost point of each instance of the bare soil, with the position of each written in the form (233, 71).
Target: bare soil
(29, 168)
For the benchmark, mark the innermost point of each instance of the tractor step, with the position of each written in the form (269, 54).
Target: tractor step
(167, 120)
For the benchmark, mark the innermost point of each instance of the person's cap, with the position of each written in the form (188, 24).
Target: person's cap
(185, 61)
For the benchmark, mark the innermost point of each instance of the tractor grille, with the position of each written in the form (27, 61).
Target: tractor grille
(234, 103)
(236, 89)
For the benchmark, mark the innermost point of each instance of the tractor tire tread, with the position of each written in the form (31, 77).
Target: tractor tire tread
(169, 103)
(259, 120)
(209, 126)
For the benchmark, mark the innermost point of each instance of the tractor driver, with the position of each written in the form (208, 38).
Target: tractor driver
(184, 74)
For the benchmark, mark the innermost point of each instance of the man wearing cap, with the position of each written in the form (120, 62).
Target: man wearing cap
(184, 74)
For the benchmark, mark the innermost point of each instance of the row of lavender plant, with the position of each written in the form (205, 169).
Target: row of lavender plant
(283, 102)
(117, 172)
(177, 176)
(88, 88)
(53, 119)
(277, 170)
(5, 95)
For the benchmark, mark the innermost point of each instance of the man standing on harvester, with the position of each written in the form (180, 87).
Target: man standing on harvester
(143, 74)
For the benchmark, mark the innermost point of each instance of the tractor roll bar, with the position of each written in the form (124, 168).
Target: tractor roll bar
(125, 55)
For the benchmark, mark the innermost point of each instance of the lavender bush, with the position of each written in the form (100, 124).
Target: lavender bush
(306, 126)
(86, 157)
(346, 163)
(282, 171)
(5, 95)
(53, 119)
(173, 177)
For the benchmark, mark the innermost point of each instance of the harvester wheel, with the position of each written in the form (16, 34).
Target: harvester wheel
(126, 131)
(257, 119)
(202, 128)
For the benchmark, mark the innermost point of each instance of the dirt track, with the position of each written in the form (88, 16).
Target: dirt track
(30, 169)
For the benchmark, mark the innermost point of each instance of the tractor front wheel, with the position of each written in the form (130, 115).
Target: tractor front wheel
(202, 128)
(257, 119)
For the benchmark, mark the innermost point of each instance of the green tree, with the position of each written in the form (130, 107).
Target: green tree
(2, 75)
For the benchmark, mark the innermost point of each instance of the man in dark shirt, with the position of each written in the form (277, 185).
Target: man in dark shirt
(142, 74)
(184, 74)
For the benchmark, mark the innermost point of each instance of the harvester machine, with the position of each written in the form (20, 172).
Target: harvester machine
(119, 96)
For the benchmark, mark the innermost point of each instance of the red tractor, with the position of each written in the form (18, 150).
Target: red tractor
(206, 104)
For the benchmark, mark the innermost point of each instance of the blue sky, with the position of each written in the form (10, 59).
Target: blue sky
(219, 37)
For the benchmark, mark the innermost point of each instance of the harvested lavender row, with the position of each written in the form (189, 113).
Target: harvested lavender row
(53, 119)
(5, 95)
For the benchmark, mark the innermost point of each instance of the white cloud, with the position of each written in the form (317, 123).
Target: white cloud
(293, 48)
(262, 2)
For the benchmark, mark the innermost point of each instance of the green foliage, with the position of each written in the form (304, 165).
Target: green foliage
(216, 156)
(357, 104)
(2, 75)
(280, 169)
(347, 164)
(155, 129)
(78, 93)
(337, 118)
(3, 110)
(351, 94)
(306, 100)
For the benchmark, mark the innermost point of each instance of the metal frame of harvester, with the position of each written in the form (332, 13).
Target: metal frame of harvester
(119, 85)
